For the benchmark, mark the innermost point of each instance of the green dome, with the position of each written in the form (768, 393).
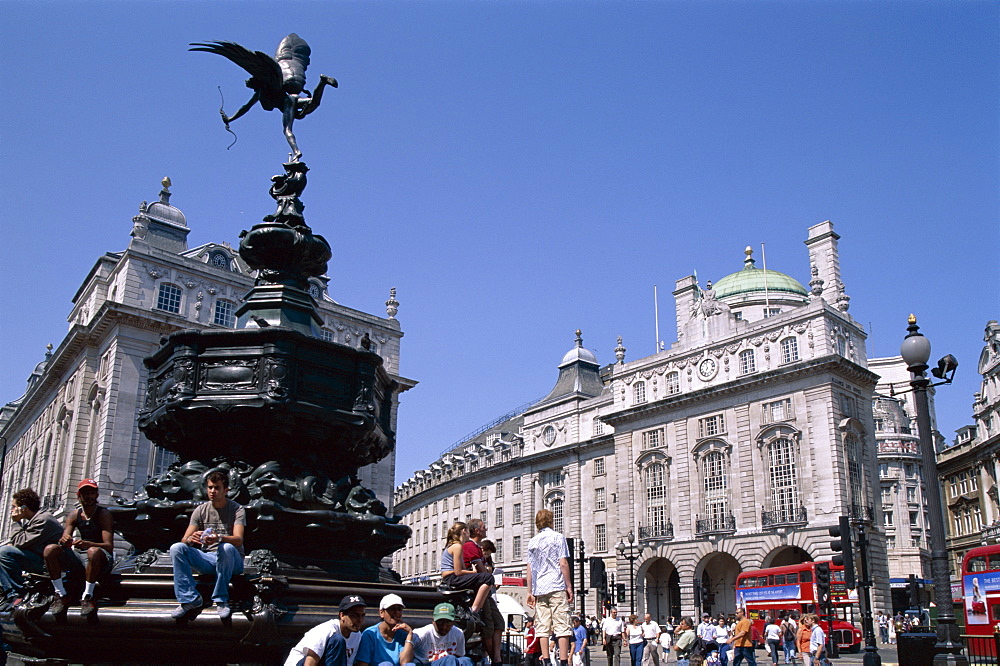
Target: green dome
(751, 280)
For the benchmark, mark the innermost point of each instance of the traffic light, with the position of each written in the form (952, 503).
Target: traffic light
(914, 589)
(823, 584)
(844, 550)
(597, 575)
(621, 593)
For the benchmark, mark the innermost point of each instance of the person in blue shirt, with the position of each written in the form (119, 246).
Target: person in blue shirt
(579, 642)
(382, 644)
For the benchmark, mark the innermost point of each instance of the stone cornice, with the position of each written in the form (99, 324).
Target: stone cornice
(834, 364)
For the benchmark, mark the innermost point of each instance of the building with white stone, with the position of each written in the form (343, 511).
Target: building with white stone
(77, 418)
(734, 449)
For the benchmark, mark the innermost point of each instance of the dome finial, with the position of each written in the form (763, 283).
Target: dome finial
(579, 338)
(165, 192)
(620, 351)
(748, 262)
(912, 319)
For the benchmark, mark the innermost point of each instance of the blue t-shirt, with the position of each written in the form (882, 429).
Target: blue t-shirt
(580, 634)
(374, 649)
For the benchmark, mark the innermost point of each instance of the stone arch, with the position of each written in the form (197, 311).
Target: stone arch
(659, 581)
(785, 555)
(715, 579)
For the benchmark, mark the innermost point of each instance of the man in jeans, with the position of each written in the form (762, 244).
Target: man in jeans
(742, 641)
(549, 590)
(213, 543)
(612, 629)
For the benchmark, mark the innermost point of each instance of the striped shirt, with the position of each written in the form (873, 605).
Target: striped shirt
(545, 550)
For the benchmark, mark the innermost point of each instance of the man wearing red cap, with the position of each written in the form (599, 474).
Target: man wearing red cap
(95, 546)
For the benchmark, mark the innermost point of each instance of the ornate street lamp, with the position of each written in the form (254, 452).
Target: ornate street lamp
(916, 350)
(630, 552)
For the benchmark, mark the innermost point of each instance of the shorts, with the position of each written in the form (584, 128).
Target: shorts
(472, 581)
(76, 560)
(492, 619)
(552, 614)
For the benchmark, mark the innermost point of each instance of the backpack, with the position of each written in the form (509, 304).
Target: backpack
(699, 647)
(788, 632)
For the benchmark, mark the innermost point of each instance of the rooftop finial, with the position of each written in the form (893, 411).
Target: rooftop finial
(579, 338)
(912, 319)
(748, 262)
(620, 351)
(392, 305)
(165, 192)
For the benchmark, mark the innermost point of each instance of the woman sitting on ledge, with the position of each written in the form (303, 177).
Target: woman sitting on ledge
(457, 577)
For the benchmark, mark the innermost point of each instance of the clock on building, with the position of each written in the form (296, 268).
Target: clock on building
(314, 291)
(220, 260)
(549, 435)
(707, 368)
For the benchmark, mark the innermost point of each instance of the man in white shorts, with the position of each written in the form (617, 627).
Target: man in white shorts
(549, 590)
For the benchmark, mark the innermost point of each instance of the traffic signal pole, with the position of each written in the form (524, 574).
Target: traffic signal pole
(872, 657)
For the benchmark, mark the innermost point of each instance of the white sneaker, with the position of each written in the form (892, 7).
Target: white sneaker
(225, 612)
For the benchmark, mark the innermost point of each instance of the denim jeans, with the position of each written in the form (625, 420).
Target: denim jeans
(224, 562)
(13, 562)
(789, 647)
(743, 653)
(452, 660)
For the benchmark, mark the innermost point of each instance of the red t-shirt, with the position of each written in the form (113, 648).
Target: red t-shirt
(470, 553)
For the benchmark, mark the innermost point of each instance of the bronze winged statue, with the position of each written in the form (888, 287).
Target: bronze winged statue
(277, 83)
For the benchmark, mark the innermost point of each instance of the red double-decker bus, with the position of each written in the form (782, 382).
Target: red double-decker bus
(769, 592)
(981, 593)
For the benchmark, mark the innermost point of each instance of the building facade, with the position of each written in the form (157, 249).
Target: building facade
(734, 449)
(77, 418)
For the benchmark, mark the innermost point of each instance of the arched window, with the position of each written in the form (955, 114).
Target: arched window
(224, 313)
(748, 362)
(842, 345)
(639, 393)
(169, 298)
(673, 383)
(556, 505)
(656, 498)
(783, 478)
(789, 350)
(715, 484)
(855, 480)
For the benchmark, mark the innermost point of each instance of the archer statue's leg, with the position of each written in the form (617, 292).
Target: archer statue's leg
(287, 117)
(313, 102)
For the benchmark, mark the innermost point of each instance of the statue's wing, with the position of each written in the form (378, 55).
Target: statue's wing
(261, 66)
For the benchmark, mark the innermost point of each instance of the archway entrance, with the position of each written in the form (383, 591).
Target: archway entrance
(715, 589)
(786, 555)
(662, 586)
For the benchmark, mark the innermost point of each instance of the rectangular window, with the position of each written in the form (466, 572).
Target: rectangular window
(598, 427)
(711, 426)
(651, 439)
(909, 470)
(516, 514)
(517, 484)
(847, 405)
(598, 466)
(482, 516)
(789, 350)
(888, 518)
(779, 410)
(326, 335)
(516, 549)
(770, 312)
(468, 497)
(482, 494)
(498, 556)
(169, 298)
(911, 494)
(673, 383)
(600, 499)
(499, 490)
(748, 362)
(883, 470)
(224, 314)
(914, 519)
(444, 504)
(601, 538)
(638, 393)
(887, 496)
(499, 520)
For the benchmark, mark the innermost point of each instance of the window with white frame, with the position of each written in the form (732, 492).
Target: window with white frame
(326, 335)
(855, 480)
(516, 514)
(468, 497)
(638, 393)
(600, 499)
(499, 520)
(224, 313)
(598, 427)
(598, 466)
(169, 298)
(911, 494)
(779, 410)
(711, 426)
(673, 382)
(783, 474)
(789, 350)
(651, 438)
(655, 479)
(556, 507)
(600, 538)
(715, 485)
(444, 504)
(498, 556)
(842, 345)
(887, 495)
(517, 484)
(888, 518)
(482, 516)
(499, 490)
(482, 493)
(748, 362)
(515, 551)
(771, 312)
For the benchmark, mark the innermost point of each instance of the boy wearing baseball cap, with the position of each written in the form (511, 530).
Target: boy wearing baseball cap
(95, 548)
(335, 642)
(440, 642)
(383, 643)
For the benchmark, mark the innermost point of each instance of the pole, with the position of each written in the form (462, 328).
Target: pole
(656, 316)
(872, 657)
(948, 649)
(631, 570)
(582, 590)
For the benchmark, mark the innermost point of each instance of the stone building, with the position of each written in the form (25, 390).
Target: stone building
(734, 449)
(77, 417)
(969, 469)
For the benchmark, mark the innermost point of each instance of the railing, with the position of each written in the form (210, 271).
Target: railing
(715, 525)
(862, 512)
(790, 516)
(494, 423)
(899, 447)
(663, 532)
(52, 502)
(981, 650)
(991, 533)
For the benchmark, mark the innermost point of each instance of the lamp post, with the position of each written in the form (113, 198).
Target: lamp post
(916, 350)
(630, 552)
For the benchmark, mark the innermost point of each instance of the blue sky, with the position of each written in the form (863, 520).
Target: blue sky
(522, 169)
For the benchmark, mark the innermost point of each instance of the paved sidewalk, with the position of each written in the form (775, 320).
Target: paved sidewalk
(886, 652)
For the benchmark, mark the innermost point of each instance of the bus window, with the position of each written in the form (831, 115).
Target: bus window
(762, 581)
(791, 578)
(779, 579)
(995, 609)
(770, 580)
(976, 564)
(806, 577)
